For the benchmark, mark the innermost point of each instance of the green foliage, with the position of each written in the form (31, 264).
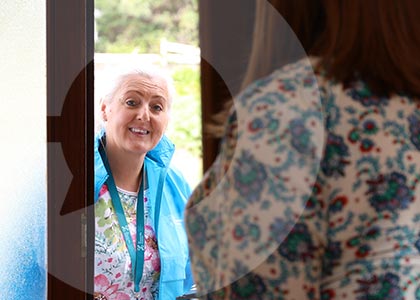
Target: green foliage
(138, 25)
(185, 128)
(187, 81)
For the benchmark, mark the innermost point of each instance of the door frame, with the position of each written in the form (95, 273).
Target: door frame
(70, 134)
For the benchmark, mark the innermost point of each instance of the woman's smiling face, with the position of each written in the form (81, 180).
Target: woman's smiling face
(138, 114)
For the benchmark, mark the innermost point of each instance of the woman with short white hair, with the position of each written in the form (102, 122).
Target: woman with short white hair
(141, 247)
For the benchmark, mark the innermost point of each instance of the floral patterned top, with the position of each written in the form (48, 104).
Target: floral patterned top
(315, 195)
(113, 273)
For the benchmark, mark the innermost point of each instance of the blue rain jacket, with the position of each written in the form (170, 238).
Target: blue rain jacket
(175, 278)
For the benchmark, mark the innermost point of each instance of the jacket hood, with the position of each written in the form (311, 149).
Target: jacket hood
(163, 152)
(161, 155)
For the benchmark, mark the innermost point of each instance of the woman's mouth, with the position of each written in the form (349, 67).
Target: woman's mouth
(139, 131)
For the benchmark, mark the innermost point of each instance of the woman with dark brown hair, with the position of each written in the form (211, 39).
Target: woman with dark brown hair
(315, 193)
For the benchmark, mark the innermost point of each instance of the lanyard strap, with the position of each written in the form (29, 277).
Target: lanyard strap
(137, 253)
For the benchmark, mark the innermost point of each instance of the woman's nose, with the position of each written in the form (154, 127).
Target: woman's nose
(143, 114)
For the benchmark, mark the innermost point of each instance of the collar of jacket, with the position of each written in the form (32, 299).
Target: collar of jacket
(160, 156)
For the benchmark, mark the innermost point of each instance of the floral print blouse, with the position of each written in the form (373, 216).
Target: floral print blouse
(113, 274)
(315, 195)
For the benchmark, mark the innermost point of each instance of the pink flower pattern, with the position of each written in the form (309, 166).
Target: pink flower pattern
(113, 273)
(110, 291)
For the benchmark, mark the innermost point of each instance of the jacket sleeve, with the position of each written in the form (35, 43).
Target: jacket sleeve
(180, 186)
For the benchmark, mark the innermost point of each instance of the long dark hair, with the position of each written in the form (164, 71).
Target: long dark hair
(377, 41)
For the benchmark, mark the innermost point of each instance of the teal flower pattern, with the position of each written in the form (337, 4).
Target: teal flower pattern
(314, 195)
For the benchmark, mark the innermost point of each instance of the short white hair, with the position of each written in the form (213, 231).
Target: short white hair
(116, 78)
(111, 80)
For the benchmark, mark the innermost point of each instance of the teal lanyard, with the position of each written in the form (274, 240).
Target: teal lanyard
(137, 253)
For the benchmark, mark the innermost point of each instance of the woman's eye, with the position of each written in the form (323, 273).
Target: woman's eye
(157, 108)
(131, 102)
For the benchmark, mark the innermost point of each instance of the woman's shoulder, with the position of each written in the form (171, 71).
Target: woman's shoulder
(290, 90)
(288, 82)
(280, 128)
(176, 177)
(297, 70)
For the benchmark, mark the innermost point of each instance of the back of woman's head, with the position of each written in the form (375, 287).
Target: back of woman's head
(377, 41)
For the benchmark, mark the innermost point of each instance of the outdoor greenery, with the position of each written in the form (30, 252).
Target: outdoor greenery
(124, 26)
(186, 116)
